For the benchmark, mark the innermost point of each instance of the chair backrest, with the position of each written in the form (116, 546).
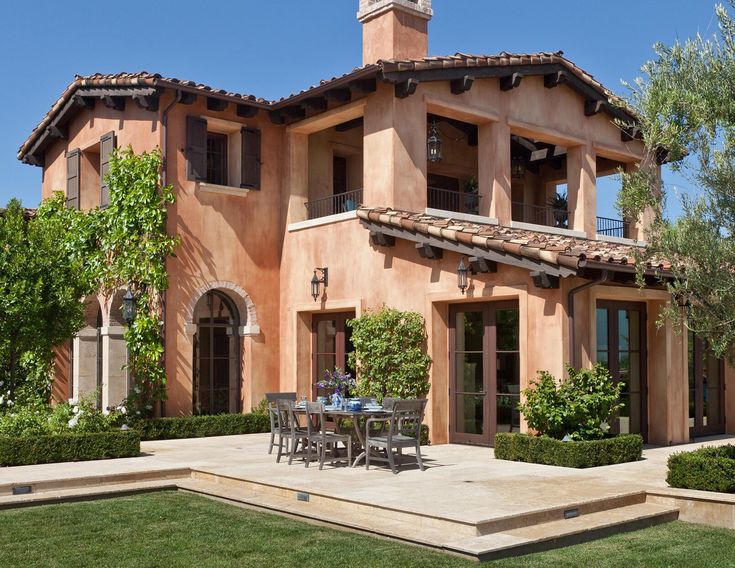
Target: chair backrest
(315, 418)
(407, 417)
(388, 402)
(274, 396)
(286, 417)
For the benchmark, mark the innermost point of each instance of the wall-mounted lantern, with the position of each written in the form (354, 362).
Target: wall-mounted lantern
(462, 271)
(434, 144)
(128, 307)
(518, 166)
(316, 281)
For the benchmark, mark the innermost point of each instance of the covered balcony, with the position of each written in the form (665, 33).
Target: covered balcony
(335, 170)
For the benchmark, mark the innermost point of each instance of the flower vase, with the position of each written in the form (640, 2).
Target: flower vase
(337, 399)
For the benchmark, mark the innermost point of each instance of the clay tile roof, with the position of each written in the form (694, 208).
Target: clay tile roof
(568, 251)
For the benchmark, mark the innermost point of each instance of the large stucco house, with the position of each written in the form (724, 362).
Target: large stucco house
(386, 181)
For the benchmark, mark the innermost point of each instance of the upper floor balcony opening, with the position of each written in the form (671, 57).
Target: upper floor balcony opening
(335, 170)
(539, 186)
(452, 175)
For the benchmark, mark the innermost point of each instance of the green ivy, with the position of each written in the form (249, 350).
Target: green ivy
(390, 354)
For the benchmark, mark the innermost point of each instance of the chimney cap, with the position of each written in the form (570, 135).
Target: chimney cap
(372, 8)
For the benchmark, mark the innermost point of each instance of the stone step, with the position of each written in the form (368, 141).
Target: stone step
(554, 534)
(91, 481)
(88, 493)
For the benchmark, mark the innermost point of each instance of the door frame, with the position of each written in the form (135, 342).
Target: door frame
(700, 356)
(489, 365)
(612, 331)
(340, 355)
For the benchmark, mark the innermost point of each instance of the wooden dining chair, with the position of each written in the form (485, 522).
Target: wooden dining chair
(276, 429)
(319, 437)
(293, 433)
(403, 430)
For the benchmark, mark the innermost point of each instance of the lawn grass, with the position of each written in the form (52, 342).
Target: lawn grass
(179, 530)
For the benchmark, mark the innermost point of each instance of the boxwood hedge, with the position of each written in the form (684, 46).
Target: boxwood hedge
(27, 450)
(171, 428)
(583, 454)
(706, 469)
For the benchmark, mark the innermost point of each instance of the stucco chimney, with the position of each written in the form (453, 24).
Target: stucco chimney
(394, 29)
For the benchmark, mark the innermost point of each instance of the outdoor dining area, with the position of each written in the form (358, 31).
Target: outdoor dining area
(335, 432)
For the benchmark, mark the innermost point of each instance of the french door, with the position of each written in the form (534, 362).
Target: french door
(331, 343)
(706, 390)
(484, 362)
(621, 347)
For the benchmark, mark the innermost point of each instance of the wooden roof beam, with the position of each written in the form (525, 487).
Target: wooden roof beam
(246, 111)
(114, 102)
(147, 102)
(462, 85)
(510, 82)
(339, 95)
(554, 79)
(216, 105)
(406, 88)
(593, 107)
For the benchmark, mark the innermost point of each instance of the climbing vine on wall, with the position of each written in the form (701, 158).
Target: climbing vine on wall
(130, 253)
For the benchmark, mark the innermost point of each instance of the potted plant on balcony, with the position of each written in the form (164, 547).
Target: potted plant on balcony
(560, 210)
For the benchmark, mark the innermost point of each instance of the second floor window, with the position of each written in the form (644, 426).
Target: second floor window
(216, 158)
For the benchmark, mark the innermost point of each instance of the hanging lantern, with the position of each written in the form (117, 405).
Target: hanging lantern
(128, 307)
(518, 166)
(434, 144)
(462, 271)
(316, 281)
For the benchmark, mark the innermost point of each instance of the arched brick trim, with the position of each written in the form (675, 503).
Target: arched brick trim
(245, 306)
(91, 306)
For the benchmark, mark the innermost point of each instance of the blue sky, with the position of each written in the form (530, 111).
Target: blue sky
(276, 47)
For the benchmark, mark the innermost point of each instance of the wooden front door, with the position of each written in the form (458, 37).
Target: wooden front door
(484, 362)
(621, 347)
(706, 390)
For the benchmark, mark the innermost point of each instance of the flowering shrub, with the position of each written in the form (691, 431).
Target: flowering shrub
(581, 407)
(66, 418)
(337, 381)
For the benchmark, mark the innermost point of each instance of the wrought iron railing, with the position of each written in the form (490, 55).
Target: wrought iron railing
(613, 227)
(540, 215)
(448, 200)
(340, 203)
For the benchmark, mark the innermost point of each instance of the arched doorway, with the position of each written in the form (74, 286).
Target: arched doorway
(216, 381)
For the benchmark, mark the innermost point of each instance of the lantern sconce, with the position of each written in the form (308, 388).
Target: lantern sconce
(518, 167)
(462, 271)
(129, 307)
(434, 144)
(316, 281)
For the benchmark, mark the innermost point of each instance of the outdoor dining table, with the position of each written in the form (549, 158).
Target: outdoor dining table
(338, 415)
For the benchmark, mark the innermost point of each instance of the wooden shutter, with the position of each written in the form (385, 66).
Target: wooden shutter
(72, 179)
(107, 145)
(250, 165)
(196, 148)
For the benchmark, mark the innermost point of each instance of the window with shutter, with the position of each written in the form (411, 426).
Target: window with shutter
(72, 179)
(107, 145)
(250, 158)
(196, 148)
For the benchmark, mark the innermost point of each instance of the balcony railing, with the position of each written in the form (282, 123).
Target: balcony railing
(540, 215)
(448, 200)
(613, 227)
(340, 203)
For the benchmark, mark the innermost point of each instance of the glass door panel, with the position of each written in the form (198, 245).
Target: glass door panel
(706, 390)
(331, 344)
(620, 346)
(485, 367)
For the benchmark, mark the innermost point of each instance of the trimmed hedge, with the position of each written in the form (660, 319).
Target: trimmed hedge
(549, 451)
(28, 450)
(706, 469)
(172, 428)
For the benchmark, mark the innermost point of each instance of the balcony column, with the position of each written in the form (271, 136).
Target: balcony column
(494, 171)
(641, 226)
(297, 175)
(582, 190)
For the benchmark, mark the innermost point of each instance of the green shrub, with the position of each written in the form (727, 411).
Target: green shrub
(578, 454)
(201, 426)
(706, 469)
(390, 354)
(27, 450)
(581, 407)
